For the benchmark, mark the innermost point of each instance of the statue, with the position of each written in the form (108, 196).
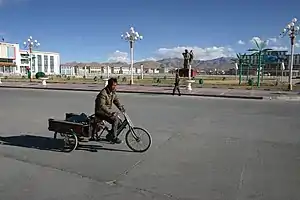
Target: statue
(191, 57)
(186, 59)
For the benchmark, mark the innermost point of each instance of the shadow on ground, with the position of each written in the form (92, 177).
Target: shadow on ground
(49, 144)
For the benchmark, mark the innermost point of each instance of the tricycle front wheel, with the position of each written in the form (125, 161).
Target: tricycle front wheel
(138, 139)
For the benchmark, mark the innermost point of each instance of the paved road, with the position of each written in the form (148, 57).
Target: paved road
(202, 149)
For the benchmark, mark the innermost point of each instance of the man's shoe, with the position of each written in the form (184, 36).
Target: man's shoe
(117, 141)
(109, 137)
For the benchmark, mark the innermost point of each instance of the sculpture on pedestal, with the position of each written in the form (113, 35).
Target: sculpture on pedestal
(187, 60)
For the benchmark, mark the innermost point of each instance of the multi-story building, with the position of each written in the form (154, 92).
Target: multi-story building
(296, 61)
(15, 61)
(9, 57)
(93, 69)
(272, 67)
(47, 62)
(96, 69)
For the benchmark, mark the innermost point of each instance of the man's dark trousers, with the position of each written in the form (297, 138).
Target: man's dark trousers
(176, 87)
(114, 121)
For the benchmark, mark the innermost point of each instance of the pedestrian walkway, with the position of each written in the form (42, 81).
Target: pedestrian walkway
(204, 92)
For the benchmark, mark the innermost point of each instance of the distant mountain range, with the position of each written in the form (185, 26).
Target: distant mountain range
(223, 63)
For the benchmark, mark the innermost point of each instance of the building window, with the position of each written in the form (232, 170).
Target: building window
(24, 61)
(52, 64)
(39, 61)
(45, 63)
(24, 55)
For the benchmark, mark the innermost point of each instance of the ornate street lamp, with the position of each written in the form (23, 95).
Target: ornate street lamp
(142, 71)
(30, 44)
(131, 37)
(291, 30)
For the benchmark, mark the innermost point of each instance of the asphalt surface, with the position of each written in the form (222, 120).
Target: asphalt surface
(202, 149)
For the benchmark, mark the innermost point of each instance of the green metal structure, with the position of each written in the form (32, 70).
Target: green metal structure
(260, 51)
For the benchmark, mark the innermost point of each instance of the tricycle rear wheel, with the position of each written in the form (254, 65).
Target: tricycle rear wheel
(70, 141)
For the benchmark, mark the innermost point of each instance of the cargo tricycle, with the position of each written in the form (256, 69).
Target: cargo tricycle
(90, 128)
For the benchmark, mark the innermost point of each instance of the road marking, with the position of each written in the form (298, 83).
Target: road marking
(241, 181)
(111, 183)
(225, 92)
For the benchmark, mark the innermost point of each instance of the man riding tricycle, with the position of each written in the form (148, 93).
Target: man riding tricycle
(76, 127)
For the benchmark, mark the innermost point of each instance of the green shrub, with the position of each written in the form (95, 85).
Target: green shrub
(250, 82)
(40, 75)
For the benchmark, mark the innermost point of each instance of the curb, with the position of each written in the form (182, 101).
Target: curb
(138, 92)
(287, 98)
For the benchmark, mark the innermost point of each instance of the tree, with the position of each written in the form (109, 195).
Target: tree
(240, 61)
(260, 51)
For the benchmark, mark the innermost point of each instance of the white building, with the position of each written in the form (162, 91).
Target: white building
(86, 70)
(15, 61)
(9, 57)
(47, 62)
(97, 69)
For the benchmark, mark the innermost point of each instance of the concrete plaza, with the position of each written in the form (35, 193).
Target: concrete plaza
(203, 148)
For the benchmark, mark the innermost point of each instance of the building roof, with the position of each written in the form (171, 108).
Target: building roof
(7, 43)
(43, 52)
(7, 64)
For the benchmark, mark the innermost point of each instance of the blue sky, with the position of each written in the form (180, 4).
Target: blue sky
(90, 30)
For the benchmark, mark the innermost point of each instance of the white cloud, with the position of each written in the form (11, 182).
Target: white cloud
(279, 48)
(147, 59)
(176, 52)
(275, 42)
(273, 39)
(258, 40)
(241, 42)
(207, 53)
(199, 53)
(118, 56)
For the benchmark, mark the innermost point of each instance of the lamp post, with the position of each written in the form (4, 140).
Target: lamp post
(142, 71)
(131, 37)
(292, 30)
(282, 69)
(30, 44)
(107, 71)
(107, 76)
(84, 73)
